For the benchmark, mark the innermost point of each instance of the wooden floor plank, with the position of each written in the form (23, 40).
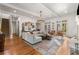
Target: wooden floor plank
(17, 46)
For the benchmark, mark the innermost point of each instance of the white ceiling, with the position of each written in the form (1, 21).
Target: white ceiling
(63, 8)
(48, 9)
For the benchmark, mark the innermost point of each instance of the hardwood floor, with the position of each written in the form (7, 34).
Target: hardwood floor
(17, 46)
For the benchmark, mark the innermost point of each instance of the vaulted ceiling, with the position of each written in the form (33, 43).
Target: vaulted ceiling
(33, 9)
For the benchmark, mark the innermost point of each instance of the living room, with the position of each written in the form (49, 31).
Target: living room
(49, 28)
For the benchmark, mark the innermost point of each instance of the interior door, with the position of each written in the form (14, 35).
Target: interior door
(5, 26)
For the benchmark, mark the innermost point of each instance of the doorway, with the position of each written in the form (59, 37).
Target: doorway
(5, 26)
(15, 25)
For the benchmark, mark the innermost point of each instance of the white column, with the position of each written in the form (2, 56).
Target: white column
(11, 27)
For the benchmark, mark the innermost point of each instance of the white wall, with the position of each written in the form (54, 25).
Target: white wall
(3, 15)
(71, 24)
(21, 19)
(8, 16)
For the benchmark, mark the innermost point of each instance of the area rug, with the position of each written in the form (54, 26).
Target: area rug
(48, 47)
